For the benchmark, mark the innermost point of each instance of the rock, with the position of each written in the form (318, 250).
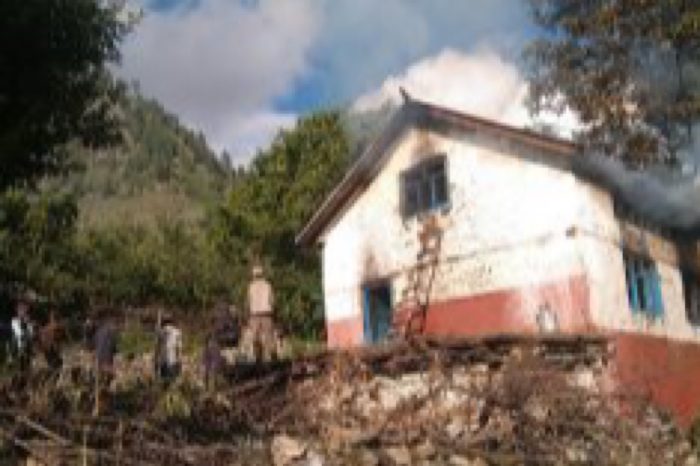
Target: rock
(457, 460)
(537, 410)
(368, 458)
(398, 456)
(454, 429)
(313, 459)
(575, 455)
(425, 451)
(286, 450)
(338, 437)
(585, 379)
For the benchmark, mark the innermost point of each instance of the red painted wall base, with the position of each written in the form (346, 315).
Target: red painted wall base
(513, 310)
(344, 333)
(663, 370)
(666, 371)
(502, 311)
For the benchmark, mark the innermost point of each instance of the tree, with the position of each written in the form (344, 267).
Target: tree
(36, 244)
(268, 206)
(629, 68)
(54, 81)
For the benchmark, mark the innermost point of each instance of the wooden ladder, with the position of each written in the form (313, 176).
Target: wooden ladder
(415, 297)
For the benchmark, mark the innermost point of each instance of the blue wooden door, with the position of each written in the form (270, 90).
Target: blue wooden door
(377, 312)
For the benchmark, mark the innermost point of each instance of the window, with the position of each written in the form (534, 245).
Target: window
(424, 187)
(691, 293)
(643, 286)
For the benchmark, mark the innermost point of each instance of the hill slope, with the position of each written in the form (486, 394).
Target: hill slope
(162, 170)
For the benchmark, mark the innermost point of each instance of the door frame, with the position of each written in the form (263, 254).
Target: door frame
(367, 288)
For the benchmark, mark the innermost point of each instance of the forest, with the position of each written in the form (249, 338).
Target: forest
(160, 220)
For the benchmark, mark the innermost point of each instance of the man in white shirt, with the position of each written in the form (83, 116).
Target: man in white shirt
(22, 334)
(169, 350)
(260, 305)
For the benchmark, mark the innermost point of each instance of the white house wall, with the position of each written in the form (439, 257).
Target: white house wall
(519, 236)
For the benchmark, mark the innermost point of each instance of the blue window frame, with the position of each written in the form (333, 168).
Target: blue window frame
(424, 187)
(643, 286)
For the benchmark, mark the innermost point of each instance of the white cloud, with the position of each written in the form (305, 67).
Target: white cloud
(220, 63)
(481, 83)
(363, 41)
(245, 136)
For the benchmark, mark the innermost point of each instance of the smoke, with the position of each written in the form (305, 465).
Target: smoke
(482, 83)
(667, 198)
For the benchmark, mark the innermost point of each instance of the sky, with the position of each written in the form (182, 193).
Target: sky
(239, 70)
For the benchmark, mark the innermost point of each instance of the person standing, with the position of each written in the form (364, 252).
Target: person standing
(106, 345)
(260, 306)
(105, 350)
(50, 336)
(22, 334)
(169, 350)
(212, 362)
(226, 326)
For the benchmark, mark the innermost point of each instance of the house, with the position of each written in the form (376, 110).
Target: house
(450, 224)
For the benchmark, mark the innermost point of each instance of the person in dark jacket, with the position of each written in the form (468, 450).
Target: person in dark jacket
(226, 325)
(212, 361)
(50, 338)
(105, 344)
(5, 342)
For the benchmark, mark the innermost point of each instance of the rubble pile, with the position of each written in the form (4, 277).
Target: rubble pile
(498, 400)
(492, 401)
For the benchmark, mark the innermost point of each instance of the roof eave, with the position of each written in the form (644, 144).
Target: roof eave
(350, 182)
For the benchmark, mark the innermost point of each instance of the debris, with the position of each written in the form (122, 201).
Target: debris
(501, 400)
(457, 460)
(425, 451)
(314, 459)
(285, 450)
(368, 458)
(398, 456)
(454, 429)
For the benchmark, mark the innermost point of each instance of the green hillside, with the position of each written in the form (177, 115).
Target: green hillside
(162, 170)
(160, 220)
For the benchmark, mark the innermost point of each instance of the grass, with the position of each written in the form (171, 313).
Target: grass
(135, 340)
(298, 348)
(193, 343)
